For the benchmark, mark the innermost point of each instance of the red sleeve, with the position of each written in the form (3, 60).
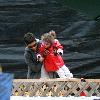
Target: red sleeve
(57, 44)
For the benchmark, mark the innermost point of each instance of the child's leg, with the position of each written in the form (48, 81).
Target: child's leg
(61, 73)
(66, 71)
(44, 74)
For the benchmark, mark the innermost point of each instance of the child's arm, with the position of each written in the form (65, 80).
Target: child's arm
(59, 47)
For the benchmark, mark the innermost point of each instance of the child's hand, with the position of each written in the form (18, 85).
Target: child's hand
(60, 51)
(39, 57)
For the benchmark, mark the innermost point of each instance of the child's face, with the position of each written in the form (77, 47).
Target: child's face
(47, 44)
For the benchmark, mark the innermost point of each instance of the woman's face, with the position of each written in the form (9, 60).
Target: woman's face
(33, 45)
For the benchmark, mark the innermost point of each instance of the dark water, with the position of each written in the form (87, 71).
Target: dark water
(79, 34)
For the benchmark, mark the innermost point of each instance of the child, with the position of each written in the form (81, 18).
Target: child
(60, 50)
(53, 62)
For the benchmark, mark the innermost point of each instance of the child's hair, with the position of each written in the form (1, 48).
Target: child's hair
(29, 38)
(47, 37)
(53, 33)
